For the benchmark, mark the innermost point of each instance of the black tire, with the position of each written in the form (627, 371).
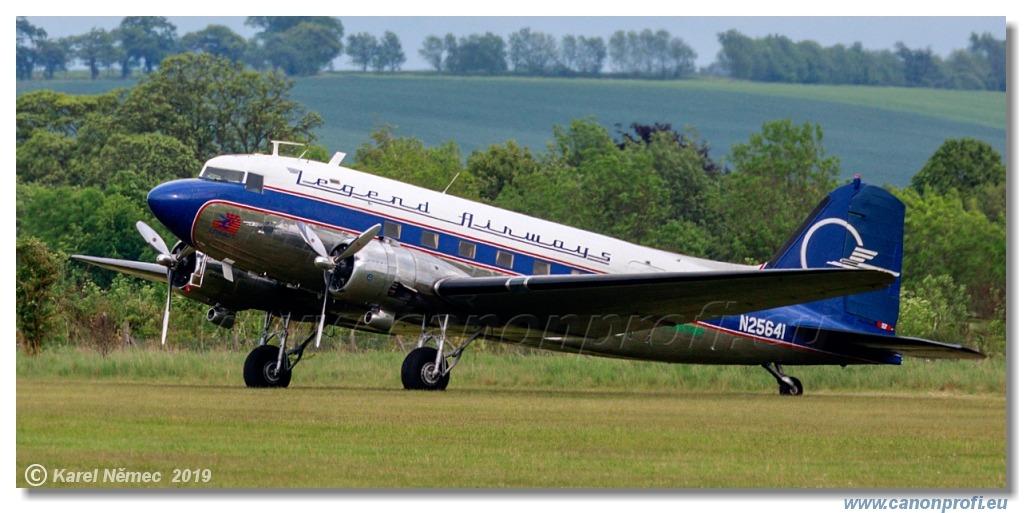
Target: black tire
(259, 369)
(418, 366)
(797, 388)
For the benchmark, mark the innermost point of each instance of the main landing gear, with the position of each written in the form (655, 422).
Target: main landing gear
(269, 366)
(788, 385)
(429, 368)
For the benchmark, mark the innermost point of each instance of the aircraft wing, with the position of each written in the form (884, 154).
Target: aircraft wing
(145, 270)
(617, 303)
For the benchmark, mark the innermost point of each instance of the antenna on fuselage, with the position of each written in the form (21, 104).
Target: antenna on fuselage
(277, 145)
(445, 191)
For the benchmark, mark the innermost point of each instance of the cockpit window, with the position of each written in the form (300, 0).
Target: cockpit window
(222, 175)
(254, 183)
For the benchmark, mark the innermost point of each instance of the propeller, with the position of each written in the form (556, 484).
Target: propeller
(166, 259)
(327, 263)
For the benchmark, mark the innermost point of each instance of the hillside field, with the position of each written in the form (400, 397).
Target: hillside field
(885, 134)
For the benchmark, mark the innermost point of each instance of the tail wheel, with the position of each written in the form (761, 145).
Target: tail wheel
(419, 371)
(260, 370)
(797, 388)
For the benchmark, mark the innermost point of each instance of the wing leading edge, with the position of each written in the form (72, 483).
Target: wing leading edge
(629, 302)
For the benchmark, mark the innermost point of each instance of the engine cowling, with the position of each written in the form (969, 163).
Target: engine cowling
(386, 276)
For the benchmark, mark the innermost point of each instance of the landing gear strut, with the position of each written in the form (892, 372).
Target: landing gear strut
(428, 368)
(788, 385)
(269, 366)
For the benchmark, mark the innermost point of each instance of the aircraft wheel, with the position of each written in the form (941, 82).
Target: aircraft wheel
(797, 388)
(260, 366)
(417, 370)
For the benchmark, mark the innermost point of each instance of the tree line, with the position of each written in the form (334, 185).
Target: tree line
(981, 66)
(306, 45)
(85, 163)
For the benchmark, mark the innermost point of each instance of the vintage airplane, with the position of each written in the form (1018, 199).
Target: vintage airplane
(309, 241)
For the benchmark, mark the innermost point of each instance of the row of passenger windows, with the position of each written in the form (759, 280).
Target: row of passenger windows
(466, 249)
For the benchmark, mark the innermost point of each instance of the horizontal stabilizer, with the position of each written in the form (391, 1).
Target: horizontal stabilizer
(906, 346)
(145, 270)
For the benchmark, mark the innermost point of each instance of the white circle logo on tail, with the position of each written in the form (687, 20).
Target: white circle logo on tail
(858, 257)
(825, 222)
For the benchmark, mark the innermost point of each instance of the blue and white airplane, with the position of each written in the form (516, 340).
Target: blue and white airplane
(308, 241)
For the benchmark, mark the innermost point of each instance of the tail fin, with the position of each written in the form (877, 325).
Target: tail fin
(856, 226)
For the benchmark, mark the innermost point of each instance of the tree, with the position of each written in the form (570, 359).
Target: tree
(942, 237)
(532, 53)
(965, 165)
(38, 269)
(475, 54)
(993, 51)
(433, 51)
(216, 40)
(215, 106)
(147, 40)
(779, 176)
(499, 166)
(96, 50)
(28, 38)
(921, 68)
(410, 161)
(362, 49)
(390, 55)
(53, 56)
(299, 45)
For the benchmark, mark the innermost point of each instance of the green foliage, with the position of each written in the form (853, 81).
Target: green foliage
(935, 308)
(499, 166)
(780, 175)
(941, 237)
(38, 270)
(776, 58)
(216, 40)
(297, 45)
(964, 165)
(80, 220)
(145, 40)
(215, 106)
(408, 160)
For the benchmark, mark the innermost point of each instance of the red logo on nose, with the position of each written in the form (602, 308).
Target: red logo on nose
(228, 223)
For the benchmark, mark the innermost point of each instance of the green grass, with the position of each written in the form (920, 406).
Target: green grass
(511, 420)
(887, 134)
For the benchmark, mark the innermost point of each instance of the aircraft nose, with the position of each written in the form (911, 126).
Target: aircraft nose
(174, 205)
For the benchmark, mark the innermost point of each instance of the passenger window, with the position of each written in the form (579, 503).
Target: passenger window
(392, 230)
(429, 240)
(467, 249)
(504, 260)
(541, 267)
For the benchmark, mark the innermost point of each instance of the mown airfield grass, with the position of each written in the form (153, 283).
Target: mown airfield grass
(512, 421)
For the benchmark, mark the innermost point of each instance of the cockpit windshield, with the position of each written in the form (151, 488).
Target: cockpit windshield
(222, 175)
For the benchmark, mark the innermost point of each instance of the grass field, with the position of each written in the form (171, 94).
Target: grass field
(887, 134)
(510, 420)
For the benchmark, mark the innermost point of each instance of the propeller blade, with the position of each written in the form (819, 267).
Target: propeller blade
(167, 309)
(361, 241)
(311, 239)
(323, 310)
(152, 238)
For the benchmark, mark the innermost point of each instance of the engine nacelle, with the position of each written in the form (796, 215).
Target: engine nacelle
(386, 277)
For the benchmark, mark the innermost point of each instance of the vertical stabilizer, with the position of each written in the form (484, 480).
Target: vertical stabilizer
(857, 226)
